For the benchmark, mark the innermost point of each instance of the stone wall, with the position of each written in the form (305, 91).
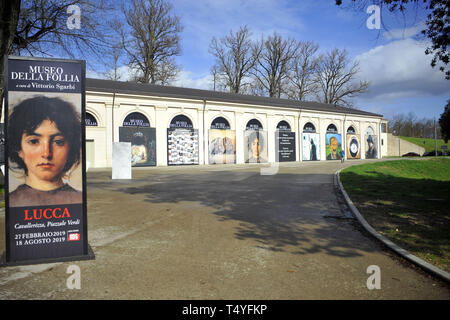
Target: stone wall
(398, 147)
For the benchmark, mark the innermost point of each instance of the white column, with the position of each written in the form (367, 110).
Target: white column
(240, 126)
(161, 125)
(109, 126)
(271, 127)
(298, 140)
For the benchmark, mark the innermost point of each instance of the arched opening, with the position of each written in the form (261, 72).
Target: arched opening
(371, 144)
(370, 131)
(255, 142)
(220, 123)
(284, 142)
(136, 119)
(254, 124)
(136, 130)
(90, 120)
(181, 121)
(283, 126)
(221, 142)
(332, 129)
(182, 142)
(309, 127)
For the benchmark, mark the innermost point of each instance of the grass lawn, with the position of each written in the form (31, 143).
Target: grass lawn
(429, 143)
(408, 202)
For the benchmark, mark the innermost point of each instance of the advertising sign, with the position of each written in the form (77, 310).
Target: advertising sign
(255, 150)
(45, 182)
(353, 146)
(371, 146)
(285, 145)
(182, 146)
(333, 143)
(143, 145)
(310, 146)
(2, 143)
(222, 146)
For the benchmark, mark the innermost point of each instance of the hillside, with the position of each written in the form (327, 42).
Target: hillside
(428, 144)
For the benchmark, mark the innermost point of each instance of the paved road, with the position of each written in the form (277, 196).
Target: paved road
(223, 232)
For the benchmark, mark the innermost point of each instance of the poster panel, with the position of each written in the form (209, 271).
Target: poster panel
(143, 145)
(182, 146)
(2, 143)
(45, 187)
(310, 146)
(333, 144)
(353, 146)
(121, 160)
(255, 146)
(222, 146)
(371, 146)
(285, 145)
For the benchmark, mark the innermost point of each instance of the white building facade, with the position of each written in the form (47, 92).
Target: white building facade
(184, 123)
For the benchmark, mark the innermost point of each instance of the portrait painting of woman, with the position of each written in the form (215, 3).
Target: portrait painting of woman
(45, 145)
(256, 147)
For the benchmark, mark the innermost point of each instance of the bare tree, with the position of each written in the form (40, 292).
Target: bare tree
(41, 27)
(337, 79)
(409, 125)
(302, 77)
(151, 39)
(273, 64)
(115, 53)
(235, 57)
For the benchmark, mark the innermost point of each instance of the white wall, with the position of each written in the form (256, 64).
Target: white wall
(160, 112)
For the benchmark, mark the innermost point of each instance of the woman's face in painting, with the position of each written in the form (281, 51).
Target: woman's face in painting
(44, 152)
(256, 147)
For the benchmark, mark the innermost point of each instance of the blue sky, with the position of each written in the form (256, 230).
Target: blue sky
(394, 61)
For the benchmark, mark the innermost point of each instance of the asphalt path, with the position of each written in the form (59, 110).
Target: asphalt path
(223, 232)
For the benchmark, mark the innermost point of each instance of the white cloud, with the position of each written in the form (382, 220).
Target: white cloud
(404, 33)
(186, 79)
(400, 69)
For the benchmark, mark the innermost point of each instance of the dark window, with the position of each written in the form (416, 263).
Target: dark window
(220, 123)
(181, 121)
(309, 127)
(254, 125)
(332, 129)
(136, 119)
(351, 130)
(90, 120)
(283, 126)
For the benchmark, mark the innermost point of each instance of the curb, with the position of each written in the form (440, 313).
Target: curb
(400, 251)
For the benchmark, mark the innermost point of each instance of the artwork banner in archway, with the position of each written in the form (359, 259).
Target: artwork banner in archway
(353, 146)
(182, 146)
(222, 146)
(45, 180)
(310, 146)
(285, 145)
(255, 146)
(333, 145)
(143, 145)
(371, 146)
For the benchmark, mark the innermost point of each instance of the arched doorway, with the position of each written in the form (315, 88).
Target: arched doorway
(136, 130)
(221, 142)
(182, 142)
